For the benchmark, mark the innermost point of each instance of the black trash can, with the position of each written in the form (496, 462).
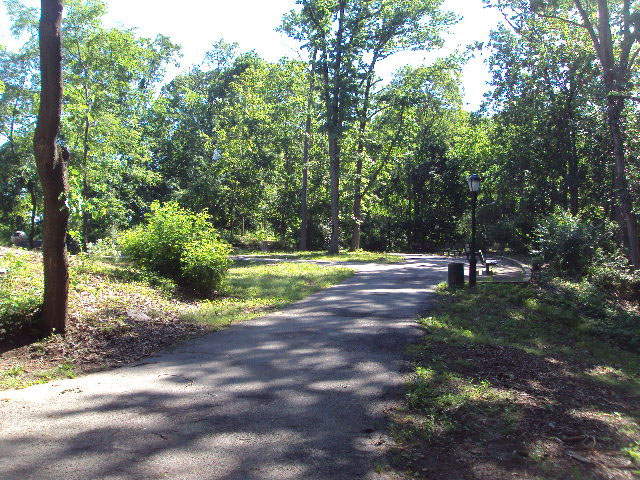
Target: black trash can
(456, 275)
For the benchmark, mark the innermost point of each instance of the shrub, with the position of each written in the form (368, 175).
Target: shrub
(20, 291)
(204, 265)
(103, 248)
(616, 275)
(570, 244)
(180, 244)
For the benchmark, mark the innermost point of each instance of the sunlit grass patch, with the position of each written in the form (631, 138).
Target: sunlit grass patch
(119, 313)
(525, 377)
(252, 290)
(359, 256)
(18, 377)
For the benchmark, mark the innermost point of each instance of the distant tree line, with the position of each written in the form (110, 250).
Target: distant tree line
(321, 154)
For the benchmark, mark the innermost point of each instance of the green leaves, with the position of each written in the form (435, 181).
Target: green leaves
(179, 244)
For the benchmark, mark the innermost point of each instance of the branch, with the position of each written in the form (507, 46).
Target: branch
(589, 27)
(561, 19)
(634, 57)
(627, 39)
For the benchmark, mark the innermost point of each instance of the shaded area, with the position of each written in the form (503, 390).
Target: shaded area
(300, 393)
(119, 315)
(507, 385)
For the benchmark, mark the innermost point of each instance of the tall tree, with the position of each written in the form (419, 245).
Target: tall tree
(351, 36)
(51, 160)
(613, 27)
(304, 192)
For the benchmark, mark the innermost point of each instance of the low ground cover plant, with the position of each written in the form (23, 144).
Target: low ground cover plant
(119, 313)
(535, 382)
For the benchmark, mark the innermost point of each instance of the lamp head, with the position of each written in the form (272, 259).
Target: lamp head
(474, 183)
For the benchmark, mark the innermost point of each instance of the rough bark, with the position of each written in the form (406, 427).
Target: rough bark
(85, 186)
(304, 207)
(616, 76)
(614, 116)
(334, 128)
(334, 168)
(52, 161)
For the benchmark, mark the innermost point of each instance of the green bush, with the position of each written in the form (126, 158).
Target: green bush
(179, 244)
(20, 291)
(616, 275)
(204, 264)
(104, 248)
(569, 244)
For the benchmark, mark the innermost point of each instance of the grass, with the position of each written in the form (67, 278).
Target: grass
(253, 289)
(119, 314)
(513, 380)
(359, 256)
(17, 377)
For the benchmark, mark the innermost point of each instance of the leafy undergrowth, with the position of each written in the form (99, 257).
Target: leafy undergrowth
(119, 314)
(529, 383)
(359, 256)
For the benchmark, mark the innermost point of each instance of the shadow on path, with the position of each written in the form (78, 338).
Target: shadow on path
(300, 393)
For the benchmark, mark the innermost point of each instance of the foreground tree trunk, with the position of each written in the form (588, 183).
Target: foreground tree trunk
(614, 116)
(52, 162)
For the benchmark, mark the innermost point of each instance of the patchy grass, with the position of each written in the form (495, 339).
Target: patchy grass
(359, 256)
(533, 383)
(119, 314)
(251, 290)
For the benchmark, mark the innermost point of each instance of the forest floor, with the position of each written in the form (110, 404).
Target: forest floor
(528, 383)
(119, 314)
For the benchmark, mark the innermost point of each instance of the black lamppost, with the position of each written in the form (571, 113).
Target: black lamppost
(474, 186)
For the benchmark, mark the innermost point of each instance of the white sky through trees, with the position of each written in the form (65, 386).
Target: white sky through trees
(196, 24)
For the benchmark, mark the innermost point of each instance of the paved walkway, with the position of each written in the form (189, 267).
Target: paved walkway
(298, 394)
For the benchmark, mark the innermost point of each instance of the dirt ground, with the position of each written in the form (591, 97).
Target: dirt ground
(552, 422)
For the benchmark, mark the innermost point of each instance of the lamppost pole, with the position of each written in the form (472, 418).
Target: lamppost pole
(474, 186)
(472, 260)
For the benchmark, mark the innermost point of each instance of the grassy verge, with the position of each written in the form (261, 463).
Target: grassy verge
(359, 256)
(536, 383)
(253, 289)
(119, 314)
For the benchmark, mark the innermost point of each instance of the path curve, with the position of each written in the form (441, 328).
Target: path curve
(298, 394)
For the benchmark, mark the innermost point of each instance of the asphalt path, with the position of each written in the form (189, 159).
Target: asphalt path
(297, 394)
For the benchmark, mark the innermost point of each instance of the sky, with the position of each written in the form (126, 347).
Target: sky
(197, 24)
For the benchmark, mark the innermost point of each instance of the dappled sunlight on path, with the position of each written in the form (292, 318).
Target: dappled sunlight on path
(298, 394)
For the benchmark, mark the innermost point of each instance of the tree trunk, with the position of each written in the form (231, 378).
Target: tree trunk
(335, 106)
(334, 167)
(304, 208)
(616, 77)
(615, 105)
(357, 193)
(362, 127)
(52, 168)
(85, 186)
